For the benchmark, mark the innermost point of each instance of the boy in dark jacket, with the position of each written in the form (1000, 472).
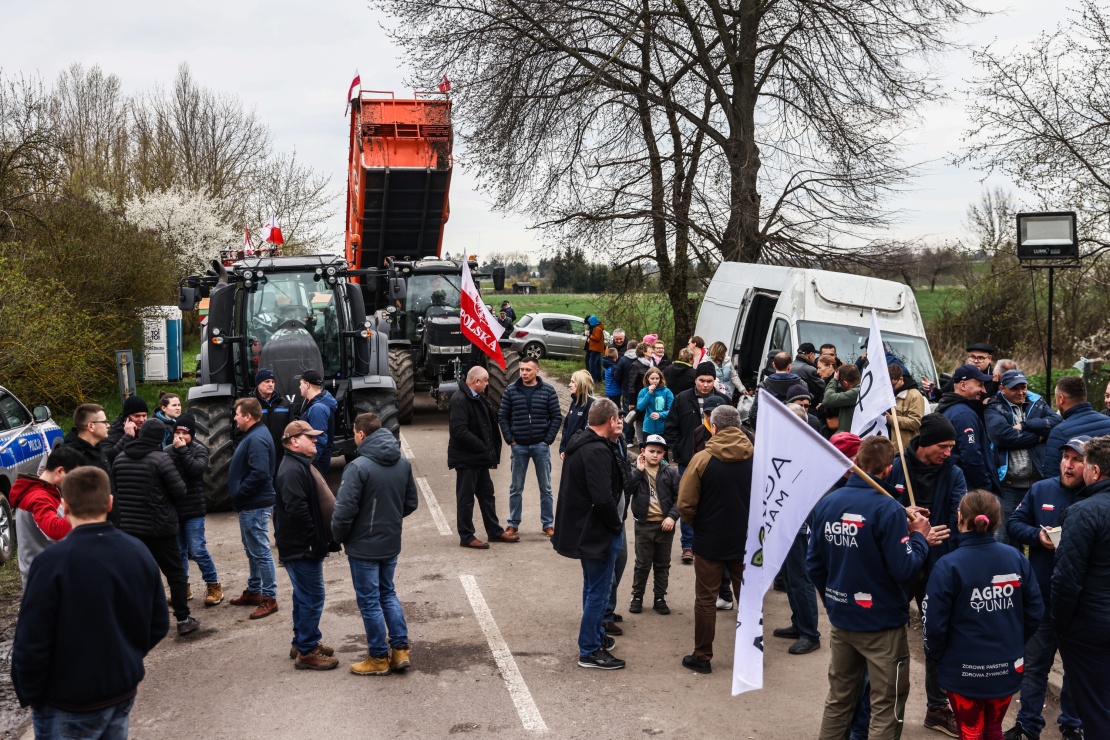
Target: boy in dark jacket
(377, 493)
(37, 503)
(302, 544)
(191, 459)
(652, 489)
(92, 609)
(147, 490)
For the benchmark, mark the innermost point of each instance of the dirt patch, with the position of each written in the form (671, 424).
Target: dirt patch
(464, 727)
(423, 612)
(449, 655)
(13, 720)
(348, 608)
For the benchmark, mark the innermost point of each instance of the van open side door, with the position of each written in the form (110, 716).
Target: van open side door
(748, 354)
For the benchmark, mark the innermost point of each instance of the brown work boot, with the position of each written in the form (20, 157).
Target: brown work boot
(315, 660)
(371, 667)
(548, 531)
(265, 609)
(511, 531)
(399, 659)
(248, 598)
(320, 648)
(213, 594)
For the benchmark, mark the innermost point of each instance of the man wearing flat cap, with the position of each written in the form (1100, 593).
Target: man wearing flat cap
(963, 406)
(980, 355)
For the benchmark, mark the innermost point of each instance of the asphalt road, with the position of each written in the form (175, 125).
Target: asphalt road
(493, 647)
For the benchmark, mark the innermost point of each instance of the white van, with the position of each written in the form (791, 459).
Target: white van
(755, 309)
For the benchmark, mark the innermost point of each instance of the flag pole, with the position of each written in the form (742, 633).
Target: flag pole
(869, 480)
(902, 450)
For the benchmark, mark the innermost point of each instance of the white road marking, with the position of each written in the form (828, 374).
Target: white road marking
(522, 698)
(405, 449)
(433, 506)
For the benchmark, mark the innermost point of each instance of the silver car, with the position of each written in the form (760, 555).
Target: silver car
(26, 438)
(539, 335)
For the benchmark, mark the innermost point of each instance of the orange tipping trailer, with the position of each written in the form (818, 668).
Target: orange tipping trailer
(398, 177)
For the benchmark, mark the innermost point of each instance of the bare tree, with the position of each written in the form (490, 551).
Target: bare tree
(299, 197)
(30, 159)
(89, 112)
(1041, 118)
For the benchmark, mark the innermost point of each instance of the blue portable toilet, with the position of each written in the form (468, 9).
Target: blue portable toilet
(162, 350)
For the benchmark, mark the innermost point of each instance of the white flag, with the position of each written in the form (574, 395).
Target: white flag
(793, 467)
(876, 394)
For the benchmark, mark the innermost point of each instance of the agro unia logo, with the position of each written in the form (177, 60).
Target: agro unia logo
(998, 595)
(844, 532)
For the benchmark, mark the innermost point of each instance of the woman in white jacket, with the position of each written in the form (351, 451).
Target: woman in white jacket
(727, 379)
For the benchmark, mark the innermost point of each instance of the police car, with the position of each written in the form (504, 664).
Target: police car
(26, 438)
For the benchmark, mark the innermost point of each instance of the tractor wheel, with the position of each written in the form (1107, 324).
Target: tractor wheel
(401, 369)
(382, 403)
(213, 420)
(500, 379)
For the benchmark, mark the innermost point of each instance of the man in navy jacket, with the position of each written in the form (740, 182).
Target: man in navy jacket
(1044, 506)
(860, 550)
(1080, 418)
(964, 408)
(92, 609)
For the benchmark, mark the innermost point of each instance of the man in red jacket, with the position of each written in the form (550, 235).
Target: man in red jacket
(39, 522)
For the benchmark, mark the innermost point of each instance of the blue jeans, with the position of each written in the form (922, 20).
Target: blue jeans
(1040, 652)
(254, 528)
(110, 723)
(800, 591)
(597, 582)
(191, 542)
(593, 364)
(618, 571)
(540, 454)
(382, 616)
(1009, 500)
(307, 577)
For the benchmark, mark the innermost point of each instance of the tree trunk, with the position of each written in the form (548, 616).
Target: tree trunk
(743, 239)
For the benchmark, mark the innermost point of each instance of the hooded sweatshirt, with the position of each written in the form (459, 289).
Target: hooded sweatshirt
(38, 519)
(715, 494)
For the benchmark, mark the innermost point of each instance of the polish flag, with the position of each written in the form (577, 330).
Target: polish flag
(863, 599)
(248, 248)
(445, 86)
(1019, 665)
(1010, 579)
(356, 86)
(856, 519)
(271, 232)
(478, 324)
(1048, 507)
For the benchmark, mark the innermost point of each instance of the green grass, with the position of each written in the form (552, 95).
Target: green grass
(570, 303)
(930, 302)
(561, 370)
(10, 582)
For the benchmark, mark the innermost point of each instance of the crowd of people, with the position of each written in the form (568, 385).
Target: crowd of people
(943, 523)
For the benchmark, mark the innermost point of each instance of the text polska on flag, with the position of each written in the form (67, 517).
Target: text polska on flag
(478, 324)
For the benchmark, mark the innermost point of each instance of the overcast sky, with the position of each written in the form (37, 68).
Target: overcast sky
(293, 61)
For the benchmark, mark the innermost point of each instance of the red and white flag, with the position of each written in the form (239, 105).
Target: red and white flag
(271, 232)
(478, 323)
(353, 91)
(248, 248)
(445, 86)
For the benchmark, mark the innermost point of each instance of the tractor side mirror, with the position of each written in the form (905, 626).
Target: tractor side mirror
(187, 299)
(499, 278)
(397, 289)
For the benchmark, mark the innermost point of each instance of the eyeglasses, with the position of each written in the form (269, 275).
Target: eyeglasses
(102, 421)
(978, 358)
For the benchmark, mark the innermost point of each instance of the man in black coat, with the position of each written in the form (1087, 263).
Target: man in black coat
(126, 426)
(472, 449)
(148, 488)
(90, 430)
(191, 459)
(93, 607)
(590, 523)
(302, 542)
(805, 367)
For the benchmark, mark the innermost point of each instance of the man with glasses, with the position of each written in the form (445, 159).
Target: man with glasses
(799, 394)
(981, 356)
(90, 429)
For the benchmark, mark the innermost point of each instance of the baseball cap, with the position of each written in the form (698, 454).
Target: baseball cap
(846, 442)
(970, 372)
(1012, 378)
(1078, 444)
(654, 439)
(806, 348)
(312, 377)
(297, 428)
(711, 403)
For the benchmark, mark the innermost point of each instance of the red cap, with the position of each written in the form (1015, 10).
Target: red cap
(846, 442)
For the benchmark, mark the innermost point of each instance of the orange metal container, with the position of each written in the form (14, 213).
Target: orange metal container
(398, 177)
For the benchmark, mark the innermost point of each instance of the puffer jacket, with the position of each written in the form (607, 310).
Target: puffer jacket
(1079, 419)
(998, 417)
(1081, 578)
(377, 492)
(612, 379)
(147, 486)
(528, 423)
(191, 461)
(683, 420)
(634, 378)
(117, 438)
(679, 376)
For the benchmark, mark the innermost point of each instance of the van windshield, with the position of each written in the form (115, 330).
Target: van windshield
(913, 352)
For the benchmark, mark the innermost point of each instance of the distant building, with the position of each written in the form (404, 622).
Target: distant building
(525, 287)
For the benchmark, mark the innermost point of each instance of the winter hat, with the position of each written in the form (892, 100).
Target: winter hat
(846, 442)
(705, 368)
(650, 339)
(135, 405)
(935, 428)
(153, 428)
(186, 423)
(264, 373)
(798, 392)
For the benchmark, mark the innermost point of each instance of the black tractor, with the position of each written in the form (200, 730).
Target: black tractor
(290, 315)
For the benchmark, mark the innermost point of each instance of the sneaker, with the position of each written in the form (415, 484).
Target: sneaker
(804, 645)
(1016, 733)
(609, 643)
(189, 625)
(611, 628)
(618, 618)
(247, 598)
(372, 666)
(636, 605)
(723, 605)
(265, 609)
(789, 633)
(696, 664)
(600, 659)
(213, 594)
(1072, 733)
(399, 659)
(661, 607)
(942, 720)
(320, 648)
(687, 555)
(314, 660)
